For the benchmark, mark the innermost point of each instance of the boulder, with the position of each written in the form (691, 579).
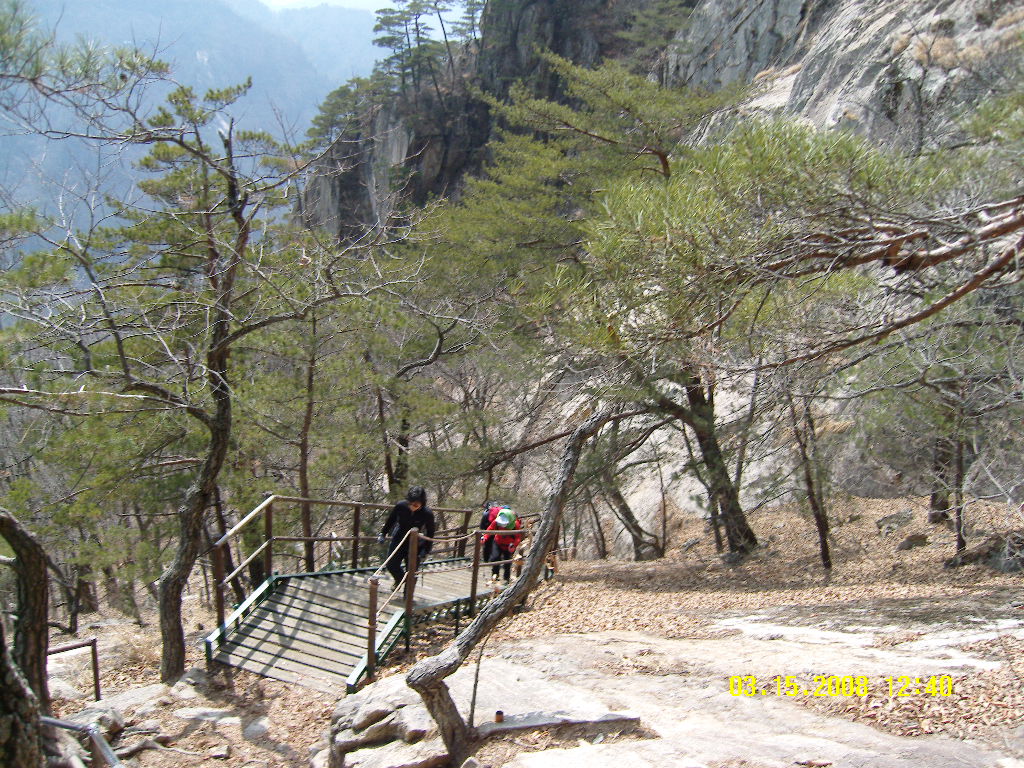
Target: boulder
(1003, 552)
(62, 689)
(397, 754)
(893, 522)
(257, 729)
(136, 698)
(375, 703)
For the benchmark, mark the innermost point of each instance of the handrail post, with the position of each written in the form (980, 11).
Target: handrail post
(410, 581)
(309, 547)
(463, 530)
(218, 582)
(371, 631)
(356, 510)
(268, 537)
(95, 669)
(475, 576)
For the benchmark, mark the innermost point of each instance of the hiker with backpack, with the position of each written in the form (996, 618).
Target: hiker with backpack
(497, 545)
(411, 513)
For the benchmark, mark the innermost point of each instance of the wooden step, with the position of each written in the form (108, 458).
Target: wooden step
(321, 614)
(265, 662)
(343, 634)
(299, 645)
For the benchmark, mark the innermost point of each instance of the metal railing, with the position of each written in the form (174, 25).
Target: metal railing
(263, 554)
(95, 660)
(101, 752)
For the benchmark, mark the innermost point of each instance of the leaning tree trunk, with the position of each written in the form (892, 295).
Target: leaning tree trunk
(805, 441)
(21, 733)
(738, 532)
(31, 631)
(190, 541)
(645, 545)
(427, 677)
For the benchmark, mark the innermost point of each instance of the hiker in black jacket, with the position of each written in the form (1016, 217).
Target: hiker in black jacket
(411, 513)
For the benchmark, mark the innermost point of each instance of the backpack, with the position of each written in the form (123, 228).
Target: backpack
(504, 519)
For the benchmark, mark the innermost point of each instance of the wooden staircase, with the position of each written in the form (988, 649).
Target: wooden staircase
(311, 629)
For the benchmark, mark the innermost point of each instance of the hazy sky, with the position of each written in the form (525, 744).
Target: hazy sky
(366, 5)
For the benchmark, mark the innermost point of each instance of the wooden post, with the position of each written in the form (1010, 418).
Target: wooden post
(356, 510)
(218, 582)
(410, 581)
(307, 532)
(475, 575)
(268, 537)
(371, 631)
(95, 670)
(463, 530)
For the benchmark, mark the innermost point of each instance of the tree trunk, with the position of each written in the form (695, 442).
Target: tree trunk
(85, 590)
(942, 464)
(738, 532)
(645, 545)
(716, 522)
(805, 437)
(200, 495)
(402, 459)
(958, 494)
(21, 733)
(427, 677)
(31, 631)
(229, 560)
(307, 423)
(599, 542)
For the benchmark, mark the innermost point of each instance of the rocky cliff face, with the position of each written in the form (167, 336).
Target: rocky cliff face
(899, 71)
(426, 146)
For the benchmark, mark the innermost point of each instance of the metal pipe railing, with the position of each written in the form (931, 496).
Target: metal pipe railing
(95, 660)
(99, 747)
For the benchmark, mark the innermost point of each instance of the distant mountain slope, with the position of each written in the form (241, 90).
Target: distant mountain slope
(295, 57)
(337, 41)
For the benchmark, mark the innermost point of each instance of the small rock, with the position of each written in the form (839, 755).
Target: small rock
(321, 759)
(471, 762)
(196, 676)
(220, 753)
(913, 540)
(183, 690)
(257, 729)
(109, 719)
(62, 689)
(207, 714)
(152, 706)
